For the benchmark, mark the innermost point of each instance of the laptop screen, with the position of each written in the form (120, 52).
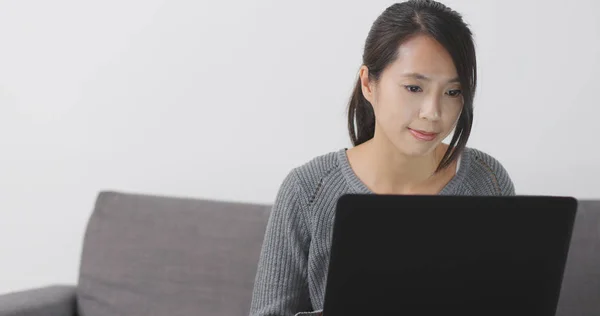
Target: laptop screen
(448, 255)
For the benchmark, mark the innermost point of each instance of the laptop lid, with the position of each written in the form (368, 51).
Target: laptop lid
(448, 255)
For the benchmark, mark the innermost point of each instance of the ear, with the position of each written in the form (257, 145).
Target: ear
(367, 87)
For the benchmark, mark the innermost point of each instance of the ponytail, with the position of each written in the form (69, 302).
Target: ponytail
(361, 117)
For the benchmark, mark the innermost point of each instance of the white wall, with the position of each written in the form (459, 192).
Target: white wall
(220, 99)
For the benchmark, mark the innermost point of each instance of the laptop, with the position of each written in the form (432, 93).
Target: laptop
(448, 255)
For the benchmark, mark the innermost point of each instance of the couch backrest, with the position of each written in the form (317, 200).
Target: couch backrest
(580, 293)
(149, 255)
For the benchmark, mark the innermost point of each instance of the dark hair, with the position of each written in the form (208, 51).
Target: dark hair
(395, 25)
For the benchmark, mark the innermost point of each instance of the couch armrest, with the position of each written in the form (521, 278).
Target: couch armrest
(46, 301)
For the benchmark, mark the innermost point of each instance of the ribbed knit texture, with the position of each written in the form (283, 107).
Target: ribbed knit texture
(294, 260)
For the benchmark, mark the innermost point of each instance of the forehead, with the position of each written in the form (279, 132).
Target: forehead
(424, 55)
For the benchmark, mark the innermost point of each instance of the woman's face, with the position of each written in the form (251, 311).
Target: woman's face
(418, 99)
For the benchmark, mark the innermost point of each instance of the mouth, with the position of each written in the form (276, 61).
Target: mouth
(423, 135)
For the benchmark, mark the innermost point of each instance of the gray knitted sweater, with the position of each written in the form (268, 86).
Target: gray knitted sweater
(294, 260)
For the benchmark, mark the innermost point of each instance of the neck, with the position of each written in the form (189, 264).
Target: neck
(386, 170)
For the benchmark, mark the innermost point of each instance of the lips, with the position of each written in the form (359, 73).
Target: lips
(423, 135)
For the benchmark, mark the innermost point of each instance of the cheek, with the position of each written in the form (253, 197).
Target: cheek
(451, 116)
(396, 109)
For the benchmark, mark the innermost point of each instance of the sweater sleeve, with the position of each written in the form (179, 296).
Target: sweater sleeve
(281, 286)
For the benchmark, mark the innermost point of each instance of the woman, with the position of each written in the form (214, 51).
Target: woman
(415, 87)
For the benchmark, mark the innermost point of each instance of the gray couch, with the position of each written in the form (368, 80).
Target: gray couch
(149, 255)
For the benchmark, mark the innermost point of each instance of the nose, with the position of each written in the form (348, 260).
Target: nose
(430, 110)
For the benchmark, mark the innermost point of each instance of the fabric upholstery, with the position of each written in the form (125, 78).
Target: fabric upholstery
(46, 301)
(149, 255)
(580, 293)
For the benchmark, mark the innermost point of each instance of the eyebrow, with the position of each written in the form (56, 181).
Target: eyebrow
(419, 76)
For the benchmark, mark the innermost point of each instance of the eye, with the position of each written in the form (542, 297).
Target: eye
(454, 93)
(413, 89)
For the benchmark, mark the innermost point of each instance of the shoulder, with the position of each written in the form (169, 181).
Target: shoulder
(302, 185)
(313, 171)
(310, 176)
(487, 175)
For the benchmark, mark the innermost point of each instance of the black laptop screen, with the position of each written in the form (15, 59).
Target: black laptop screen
(441, 255)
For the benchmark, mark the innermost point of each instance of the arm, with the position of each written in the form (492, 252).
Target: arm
(47, 301)
(281, 286)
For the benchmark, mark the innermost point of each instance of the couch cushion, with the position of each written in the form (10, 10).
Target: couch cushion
(580, 293)
(148, 255)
